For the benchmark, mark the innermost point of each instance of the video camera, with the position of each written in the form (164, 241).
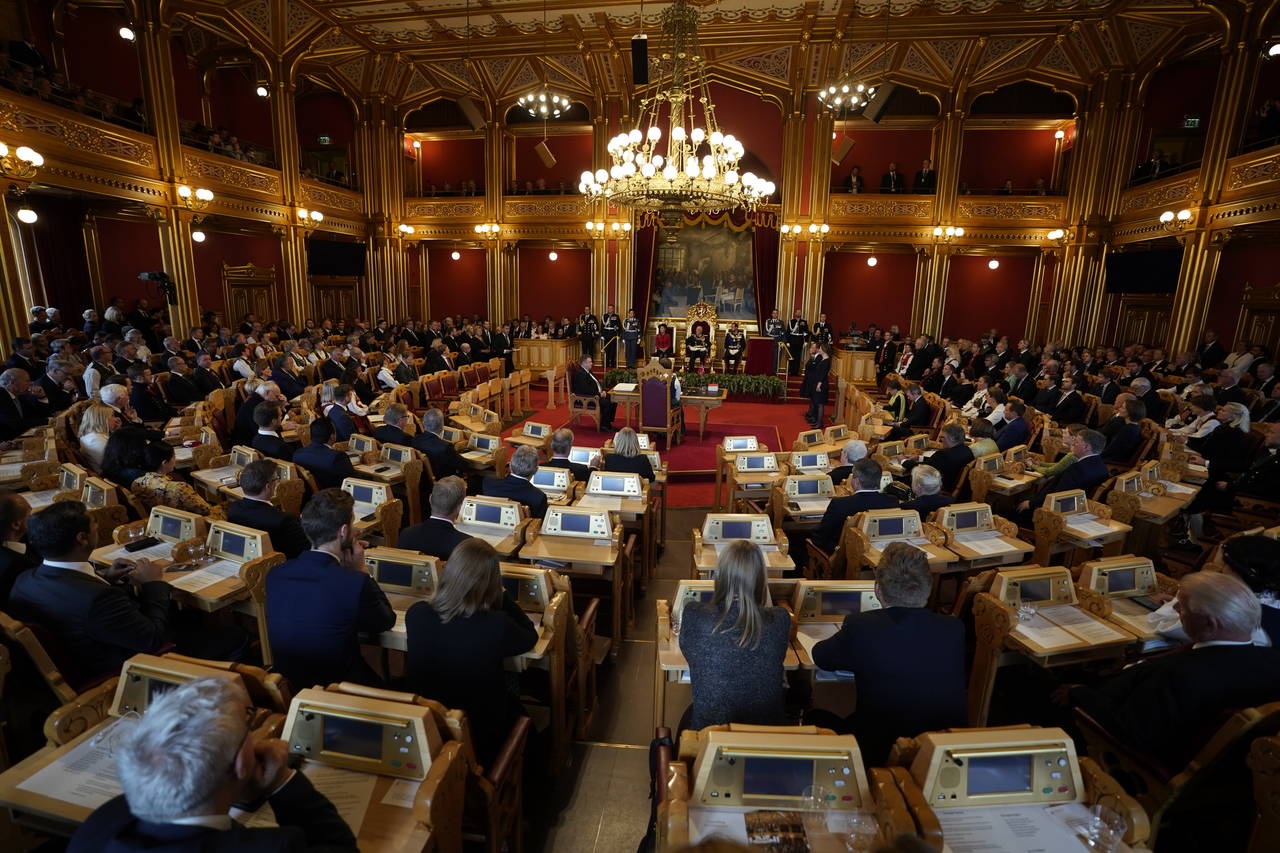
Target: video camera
(163, 283)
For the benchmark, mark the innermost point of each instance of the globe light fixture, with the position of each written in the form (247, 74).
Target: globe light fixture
(993, 264)
(552, 256)
(198, 236)
(26, 215)
(455, 254)
(126, 33)
(872, 261)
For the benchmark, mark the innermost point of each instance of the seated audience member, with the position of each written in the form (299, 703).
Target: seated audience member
(123, 459)
(285, 374)
(896, 404)
(330, 467)
(97, 423)
(181, 388)
(1124, 442)
(342, 412)
(156, 486)
(735, 644)
(1141, 388)
(854, 449)
(1015, 430)
(458, 640)
(919, 413)
(1168, 706)
(19, 409)
(15, 555)
(908, 661)
(392, 429)
(949, 462)
(95, 621)
(258, 482)
(444, 457)
(145, 398)
(1231, 473)
(1053, 468)
(561, 444)
(626, 457)
(318, 602)
(865, 481)
(983, 441)
(1068, 404)
(1108, 389)
(270, 417)
(1197, 420)
(245, 427)
(926, 483)
(1087, 473)
(203, 377)
(59, 389)
(585, 384)
(437, 536)
(183, 765)
(516, 485)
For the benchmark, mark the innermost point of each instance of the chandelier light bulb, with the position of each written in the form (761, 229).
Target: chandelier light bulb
(1274, 50)
(586, 177)
(634, 136)
(872, 261)
(669, 172)
(184, 191)
(601, 176)
(655, 133)
(993, 264)
(27, 215)
(677, 133)
(262, 91)
(698, 135)
(455, 254)
(29, 155)
(204, 195)
(198, 236)
(1184, 215)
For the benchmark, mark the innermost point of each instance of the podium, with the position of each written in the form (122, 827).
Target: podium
(760, 356)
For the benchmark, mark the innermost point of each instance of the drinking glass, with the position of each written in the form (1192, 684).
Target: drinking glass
(1104, 829)
(1027, 612)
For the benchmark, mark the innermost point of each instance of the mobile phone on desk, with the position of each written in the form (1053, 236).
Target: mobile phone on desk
(141, 544)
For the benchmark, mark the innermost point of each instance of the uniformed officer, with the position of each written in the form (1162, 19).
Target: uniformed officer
(612, 325)
(822, 331)
(631, 337)
(734, 343)
(797, 335)
(588, 331)
(776, 329)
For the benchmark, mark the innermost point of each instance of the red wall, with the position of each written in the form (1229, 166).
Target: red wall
(54, 247)
(1185, 88)
(1251, 262)
(992, 156)
(453, 161)
(236, 250)
(573, 157)
(559, 288)
(979, 298)
(236, 106)
(186, 84)
(325, 114)
(457, 287)
(756, 124)
(98, 58)
(875, 148)
(128, 248)
(851, 290)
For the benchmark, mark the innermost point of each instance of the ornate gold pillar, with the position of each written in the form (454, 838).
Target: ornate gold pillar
(179, 262)
(380, 151)
(1038, 270)
(1201, 254)
(793, 202)
(93, 257)
(933, 265)
(16, 284)
(502, 274)
(153, 35)
(293, 259)
(950, 145)
(296, 295)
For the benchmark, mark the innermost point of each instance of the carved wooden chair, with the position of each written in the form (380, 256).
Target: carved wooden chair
(584, 407)
(656, 412)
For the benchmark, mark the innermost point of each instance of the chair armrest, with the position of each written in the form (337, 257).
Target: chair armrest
(664, 752)
(511, 754)
(587, 619)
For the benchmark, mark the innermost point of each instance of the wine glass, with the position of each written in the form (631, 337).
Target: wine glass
(1104, 829)
(1027, 611)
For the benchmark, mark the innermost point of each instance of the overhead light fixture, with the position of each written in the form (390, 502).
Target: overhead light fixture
(693, 165)
(27, 215)
(127, 33)
(1175, 222)
(814, 231)
(615, 230)
(945, 234)
(489, 230)
(543, 102)
(872, 261)
(262, 91)
(198, 236)
(993, 264)
(846, 95)
(455, 254)
(552, 256)
(194, 199)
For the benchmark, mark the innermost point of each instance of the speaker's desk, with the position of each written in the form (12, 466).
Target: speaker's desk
(700, 403)
(539, 355)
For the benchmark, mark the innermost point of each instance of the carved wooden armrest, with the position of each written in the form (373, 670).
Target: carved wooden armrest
(80, 714)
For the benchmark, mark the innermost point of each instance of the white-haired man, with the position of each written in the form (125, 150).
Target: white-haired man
(186, 762)
(854, 449)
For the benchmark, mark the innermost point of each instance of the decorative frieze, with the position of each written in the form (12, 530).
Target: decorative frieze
(230, 172)
(76, 131)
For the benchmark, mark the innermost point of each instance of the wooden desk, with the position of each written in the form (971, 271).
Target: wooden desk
(1015, 551)
(211, 480)
(531, 354)
(384, 470)
(1011, 485)
(751, 485)
(210, 599)
(506, 546)
(856, 366)
(705, 561)
(1153, 513)
(583, 557)
(703, 404)
(397, 638)
(939, 558)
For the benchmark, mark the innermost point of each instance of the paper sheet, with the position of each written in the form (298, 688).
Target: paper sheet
(399, 627)
(1044, 633)
(12, 471)
(1081, 624)
(207, 576)
(988, 546)
(39, 500)
(348, 790)
(401, 793)
(84, 776)
(809, 635)
(725, 823)
(1086, 526)
(611, 502)
(1176, 488)
(162, 551)
(1006, 829)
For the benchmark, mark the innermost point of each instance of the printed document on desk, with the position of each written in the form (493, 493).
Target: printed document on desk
(348, 790)
(1081, 624)
(159, 551)
(86, 775)
(1005, 829)
(207, 576)
(988, 546)
(1044, 633)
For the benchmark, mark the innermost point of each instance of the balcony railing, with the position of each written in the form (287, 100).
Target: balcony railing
(1145, 200)
(57, 131)
(1021, 211)
(899, 208)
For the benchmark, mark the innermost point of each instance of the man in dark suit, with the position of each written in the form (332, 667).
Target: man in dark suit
(24, 357)
(1168, 706)
(19, 410)
(867, 495)
(893, 181)
(335, 366)
(285, 374)
(185, 762)
(96, 622)
(919, 412)
(1015, 430)
(15, 556)
(180, 388)
(908, 660)
(57, 386)
(1069, 406)
(444, 457)
(437, 536)
(1108, 389)
(318, 603)
(145, 398)
(330, 467)
(854, 449)
(816, 384)
(926, 182)
(1087, 472)
(561, 444)
(517, 486)
(1021, 385)
(258, 482)
(269, 417)
(585, 384)
(205, 380)
(339, 415)
(392, 429)
(1227, 389)
(951, 459)
(1211, 352)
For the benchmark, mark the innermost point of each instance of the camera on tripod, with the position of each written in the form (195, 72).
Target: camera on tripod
(163, 283)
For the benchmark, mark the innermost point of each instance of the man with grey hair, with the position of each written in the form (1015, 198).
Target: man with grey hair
(437, 536)
(854, 449)
(180, 389)
(444, 457)
(1168, 706)
(926, 485)
(561, 444)
(517, 485)
(19, 409)
(186, 762)
(392, 429)
(100, 369)
(264, 392)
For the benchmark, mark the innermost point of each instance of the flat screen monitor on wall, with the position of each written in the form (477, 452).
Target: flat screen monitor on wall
(1143, 272)
(334, 257)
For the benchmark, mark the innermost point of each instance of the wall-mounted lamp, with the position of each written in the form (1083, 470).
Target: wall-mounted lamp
(199, 236)
(456, 255)
(993, 264)
(872, 261)
(814, 231)
(417, 143)
(127, 33)
(1273, 50)
(946, 234)
(20, 163)
(1057, 237)
(489, 231)
(1060, 134)
(405, 229)
(309, 219)
(552, 256)
(262, 91)
(1175, 223)
(608, 230)
(26, 215)
(194, 199)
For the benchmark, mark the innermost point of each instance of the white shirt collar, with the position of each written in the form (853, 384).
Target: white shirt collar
(447, 521)
(270, 432)
(83, 568)
(16, 547)
(1207, 643)
(220, 822)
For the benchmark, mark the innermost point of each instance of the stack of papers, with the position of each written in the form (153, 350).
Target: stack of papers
(625, 387)
(1081, 624)
(601, 502)
(161, 551)
(206, 577)
(1044, 633)
(1086, 525)
(989, 546)
(348, 790)
(85, 776)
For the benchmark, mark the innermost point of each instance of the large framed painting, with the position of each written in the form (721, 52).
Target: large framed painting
(709, 263)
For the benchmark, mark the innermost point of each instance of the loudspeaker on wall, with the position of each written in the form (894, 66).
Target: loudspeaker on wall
(544, 154)
(879, 101)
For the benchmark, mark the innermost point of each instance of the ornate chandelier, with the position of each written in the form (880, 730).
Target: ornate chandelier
(692, 165)
(846, 95)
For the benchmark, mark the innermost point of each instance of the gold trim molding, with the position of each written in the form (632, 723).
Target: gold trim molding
(231, 173)
(81, 135)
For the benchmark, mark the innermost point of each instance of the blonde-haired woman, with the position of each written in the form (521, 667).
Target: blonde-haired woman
(97, 422)
(458, 640)
(735, 644)
(626, 457)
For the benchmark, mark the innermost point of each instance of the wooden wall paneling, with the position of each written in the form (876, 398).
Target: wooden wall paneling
(1144, 318)
(1259, 319)
(250, 290)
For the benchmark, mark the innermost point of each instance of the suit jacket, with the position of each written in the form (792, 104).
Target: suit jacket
(1025, 390)
(285, 529)
(13, 564)
(581, 473)
(842, 509)
(273, 446)
(147, 403)
(815, 385)
(444, 457)
(434, 537)
(909, 666)
(926, 182)
(517, 489)
(182, 391)
(1211, 355)
(308, 821)
(1234, 394)
(1168, 706)
(1107, 393)
(387, 434)
(330, 369)
(950, 461)
(330, 467)
(1087, 474)
(315, 609)
(245, 429)
(290, 385)
(1015, 432)
(34, 367)
(1121, 446)
(97, 625)
(343, 424)
(206, 381)
(56, 398)
(920, 413)
(1069, 409)
(585, 384)
(14, 421)
(926, 504)
(892, 182)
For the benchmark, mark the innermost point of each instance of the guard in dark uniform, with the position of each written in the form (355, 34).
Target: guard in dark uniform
(822, 331)
(776, 329)
(631, 337)
(697, 349)
(797, 336)
(612, 325)
(588, 331)
(734, 344)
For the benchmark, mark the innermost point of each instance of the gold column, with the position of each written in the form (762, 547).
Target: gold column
(153, 35)
(1201, 254)
(179, 261)
(793, 156)
(950, 145)
(925, 256)
(16, 284)
(1033, 298)
(293, 258)
(284, 127)
(380, 153)
(501, 269)
(502, 274)
(93, 257)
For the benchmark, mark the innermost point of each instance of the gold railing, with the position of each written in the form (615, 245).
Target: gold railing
(330, 198)
(1174, 192)
(544, 208)
(63, 134)
(1248, 173)
(896, 209)
(1027, 211)
(460, 207)
(224, 174)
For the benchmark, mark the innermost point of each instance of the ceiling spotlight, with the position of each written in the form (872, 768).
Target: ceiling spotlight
(126, 33)
(872, 261)
(455, 254)
(198, 236)
(993, 264)
(262, 91)
(551, 256)
(27, 215)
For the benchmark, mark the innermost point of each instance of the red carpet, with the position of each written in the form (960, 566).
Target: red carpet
(691, 464)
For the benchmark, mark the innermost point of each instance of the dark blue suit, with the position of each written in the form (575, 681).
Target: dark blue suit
(1015, 432)
(387, 434)
(290, 385)
(926, 504)
(827, 536)
(315, 609)
(517, 489)
(1087, 473)
(342, 423)
(273, 446)
(434, 537)
(330, 467)
(444, 457)
(1123, 443)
